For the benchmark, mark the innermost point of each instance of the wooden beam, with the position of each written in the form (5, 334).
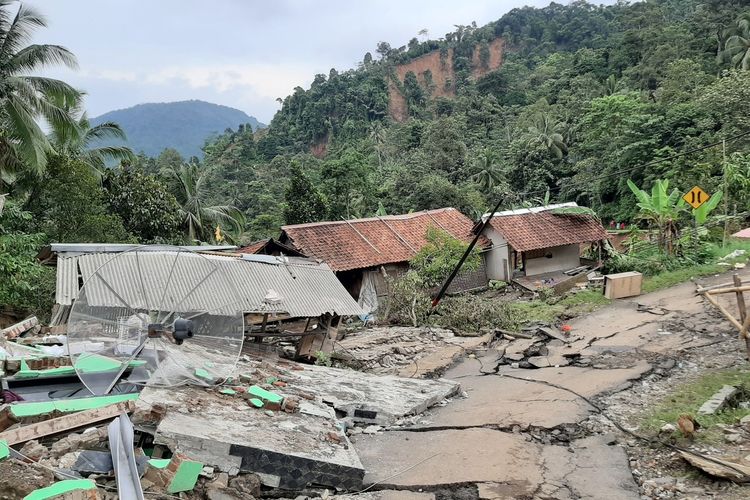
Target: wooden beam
(740, 298)
(717, 291)
(724, 311)
(65, 423)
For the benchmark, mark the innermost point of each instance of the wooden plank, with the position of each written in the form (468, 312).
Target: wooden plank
(717, 291)
(65, 423)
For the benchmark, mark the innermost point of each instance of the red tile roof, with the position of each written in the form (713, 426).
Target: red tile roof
(361, 243)
(252, 247)
(533, 231)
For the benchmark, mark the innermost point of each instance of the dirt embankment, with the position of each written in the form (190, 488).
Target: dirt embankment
(434, 72)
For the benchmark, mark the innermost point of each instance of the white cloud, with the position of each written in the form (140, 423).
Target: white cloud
(265, 80)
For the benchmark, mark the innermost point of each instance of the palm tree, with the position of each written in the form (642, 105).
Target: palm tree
(737, 45)
(547, 132)
(27, 103)
(82, 143)
(201, 220)
(488, 172)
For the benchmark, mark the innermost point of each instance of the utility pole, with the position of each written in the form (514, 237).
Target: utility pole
(726, 192)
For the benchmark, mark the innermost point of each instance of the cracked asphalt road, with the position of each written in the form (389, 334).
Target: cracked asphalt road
(515, 438)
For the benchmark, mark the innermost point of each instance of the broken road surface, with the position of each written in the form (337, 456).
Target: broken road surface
(522, 437)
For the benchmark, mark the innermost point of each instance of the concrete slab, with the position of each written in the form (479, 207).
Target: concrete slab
(588, 469)
(377, 399)
(505, 402)
(226, 433)
(451, 457)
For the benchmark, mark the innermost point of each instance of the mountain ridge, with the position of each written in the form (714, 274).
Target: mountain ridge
(181, 125)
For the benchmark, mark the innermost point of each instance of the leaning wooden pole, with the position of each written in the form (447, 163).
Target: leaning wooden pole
(743, 325)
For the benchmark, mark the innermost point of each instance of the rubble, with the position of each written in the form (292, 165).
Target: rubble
(719, 400)
(406, 351)
(30, 325)
(173, 475)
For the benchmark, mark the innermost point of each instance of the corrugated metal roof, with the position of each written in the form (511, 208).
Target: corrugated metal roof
(67, 280)
(124, 247)
(198, 283)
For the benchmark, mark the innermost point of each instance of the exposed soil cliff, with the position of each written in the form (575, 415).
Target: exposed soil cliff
(434, 72)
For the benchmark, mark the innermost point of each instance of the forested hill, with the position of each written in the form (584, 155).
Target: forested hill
(183, 125)
(572, 99)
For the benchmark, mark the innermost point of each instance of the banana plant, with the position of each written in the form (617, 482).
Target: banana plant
(662, 209)
(701, 213)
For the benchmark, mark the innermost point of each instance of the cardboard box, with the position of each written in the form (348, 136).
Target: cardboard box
(617, 286)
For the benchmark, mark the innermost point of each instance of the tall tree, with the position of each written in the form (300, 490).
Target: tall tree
(304, 203)
(199, 219)
(28, 103)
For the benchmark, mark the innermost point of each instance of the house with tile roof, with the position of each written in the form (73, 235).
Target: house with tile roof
(539, 244)
(362, 252)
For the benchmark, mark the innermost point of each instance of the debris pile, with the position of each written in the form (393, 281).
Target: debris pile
(405, 351)
(274, 424)
(541, 346)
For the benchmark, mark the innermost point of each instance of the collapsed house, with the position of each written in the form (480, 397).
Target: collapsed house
(278, 296)
(363, 252)
(541, 246)
(189, 427)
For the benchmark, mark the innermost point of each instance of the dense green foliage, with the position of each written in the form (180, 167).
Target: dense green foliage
(435, 261)
(182, 125)
(148, 210)
(587, 97)
(26, 285)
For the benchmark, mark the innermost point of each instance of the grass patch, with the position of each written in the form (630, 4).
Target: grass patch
(689, 397)
(674, 277)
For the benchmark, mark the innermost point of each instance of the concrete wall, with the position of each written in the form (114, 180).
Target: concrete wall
(498, 259)
(559, 258)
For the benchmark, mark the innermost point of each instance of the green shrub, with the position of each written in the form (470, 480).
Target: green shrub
(471, 315)
(407, 301)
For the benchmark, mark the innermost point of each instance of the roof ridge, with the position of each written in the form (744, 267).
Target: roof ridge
(411, 215)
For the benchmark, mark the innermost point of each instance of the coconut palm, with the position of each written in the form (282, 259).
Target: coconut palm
(547, 132)
(737, 45)
(83, 143)
(200, 220)
(28, 103)
(488, 172)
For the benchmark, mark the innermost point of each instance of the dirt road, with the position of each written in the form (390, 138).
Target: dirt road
(521, 437)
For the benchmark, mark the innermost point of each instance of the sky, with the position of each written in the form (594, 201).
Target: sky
(240, 53)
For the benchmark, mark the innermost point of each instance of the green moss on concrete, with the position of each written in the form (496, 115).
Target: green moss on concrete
(60, 488)
(20, 410)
